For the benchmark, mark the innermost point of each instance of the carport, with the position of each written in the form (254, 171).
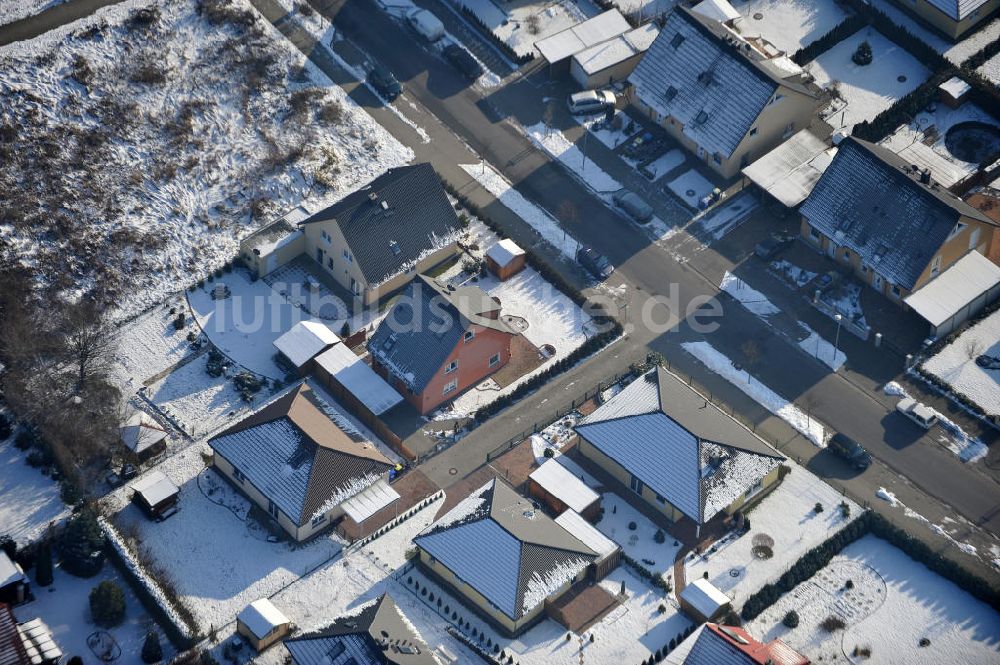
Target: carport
(957, 294)
(559, 49)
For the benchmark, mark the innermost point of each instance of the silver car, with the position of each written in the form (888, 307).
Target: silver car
(633, 204)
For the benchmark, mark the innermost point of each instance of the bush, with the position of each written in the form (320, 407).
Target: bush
(791, 619)
(845, 509)
(43, 565)
(9, 547)
(179, 322)
(548, 452)
(863, 54)
(69, 492)
(659, 537)
(5, 426)
(216, 362)
(81, 545)
(632, 526)
(248, 385)
(107, 604)
(849, 584)
(832, 624)
(25, 439)
(818, 507)
(152, 652)
(839, 33)
(662, 608)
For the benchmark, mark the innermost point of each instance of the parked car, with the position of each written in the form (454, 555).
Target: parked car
(384, 82)
(463, 61)
(988, 362)
(590, 101)
(633, 204)
(596, 263)
(919, 413)
(769, 248)
(850, 450)
(426, 25)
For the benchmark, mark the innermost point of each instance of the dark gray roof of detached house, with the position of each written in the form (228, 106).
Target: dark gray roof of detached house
(394, 220)
(696, 73)
(511, 553)
(423, 327)
(376, 635)
(872, 202)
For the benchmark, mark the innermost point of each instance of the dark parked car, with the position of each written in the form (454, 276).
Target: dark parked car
(988, 362)
(769, 248)
(463, 61)
(596, 263)
(633, 204)
(850, 450)
(384, 82)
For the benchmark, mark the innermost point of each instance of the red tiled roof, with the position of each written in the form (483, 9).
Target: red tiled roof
(775, 652)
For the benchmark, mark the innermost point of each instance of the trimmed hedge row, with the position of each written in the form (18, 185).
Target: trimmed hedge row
(869, 523)
(837, 34)
(502, 45)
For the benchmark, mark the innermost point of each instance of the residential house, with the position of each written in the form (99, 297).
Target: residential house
(889, 222)
(714, 644)
(613, 60)
(379, 633)
(503, 556)
(373, 241)
(294, 461)
(439, 340)
(15, 587)
(953, 18)
(12, 651)
(724, 98)
(676, 450)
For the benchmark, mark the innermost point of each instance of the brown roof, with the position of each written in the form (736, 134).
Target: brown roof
(12, 650)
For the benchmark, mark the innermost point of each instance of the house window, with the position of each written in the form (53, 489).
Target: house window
(451, 386)
(451, 367)
(327, 238)
(847, 255)
(753, 132)
(660, 500)
(955, 230)
(355, 287)
(319, 519)
(329, 262)
(469, 335)
(974, 238)
(494, 360)
(895, 291)
(936, 265)
(877, 281)
(238, 475)
(272, 508)
(636, 485)
(864, 269)
(348, 256)
(814, 234)
(717, 157)
(753, 489)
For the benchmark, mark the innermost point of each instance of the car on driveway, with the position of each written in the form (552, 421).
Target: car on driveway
(919, 413)
(463, 61)
(591, 101)
(384, 82)
(596, 263)
(633, 204)
(850, 450)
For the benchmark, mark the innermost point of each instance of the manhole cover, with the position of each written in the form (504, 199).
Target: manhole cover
(757, 16)
(452, 471)
(689, 192)
(901, 78)
(734, 572)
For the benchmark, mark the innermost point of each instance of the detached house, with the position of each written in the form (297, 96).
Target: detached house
(293, 461)
(889, 221)
(726, 99)
(438, 340)
(671, 446)
(371, 242)
(954, 18)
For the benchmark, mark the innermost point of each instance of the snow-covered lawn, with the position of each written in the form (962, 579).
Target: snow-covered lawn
(789, 24)
(789, 517)
(149, 345)
(991, 69)
(512, 22)
(897, 608)
(717, 362)
(640, 543)
(65, 607)
(15, 10)
(948, 433)
(957, 53)
(216, 558)
(871, 89)
(29, 501)
(161, 141)
(537, 218)
(666, 162)
(955, 364)
(569, 155)
(691, 187)
(644, 9)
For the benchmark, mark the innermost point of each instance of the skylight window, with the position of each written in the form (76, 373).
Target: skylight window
(677, 40)
(670, 93)
(394, 246)
(701, 118)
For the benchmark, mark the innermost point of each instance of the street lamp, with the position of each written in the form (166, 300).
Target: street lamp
(836, 341)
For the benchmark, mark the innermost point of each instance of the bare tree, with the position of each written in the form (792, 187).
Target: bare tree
(973, 348)
(88, 341)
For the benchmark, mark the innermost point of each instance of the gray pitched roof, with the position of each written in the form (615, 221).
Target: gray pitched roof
(361, 637)
(298, 457)
(394, 220)
(872, 202)
(691, 72)
(957, 10)
(424, 325)
(499, 544)
(679, 444)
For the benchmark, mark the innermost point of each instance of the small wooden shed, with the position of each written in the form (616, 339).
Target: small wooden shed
(505, 259)
(703, 601)
(156, 495)
(143, 437)
(262, 624)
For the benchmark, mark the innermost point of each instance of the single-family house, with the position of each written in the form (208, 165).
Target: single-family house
(378, 633)
(293, 461)
(724, 98)
(374, 240)
(953, 18)
(889, 222)
(15, 587)
(300, 345)
(676, 450)
(143, 437)
(262, 624)
(439, 340)
(503, 556)
(715, 644)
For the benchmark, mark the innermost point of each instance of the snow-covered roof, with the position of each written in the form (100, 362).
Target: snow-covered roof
(504, 252)
(717, 10)
(141, 432)
(261, 617)
(791, 170)
(679, 444)
(955, 87)
(586, 533)
(957, 10)
(556, 479)
(614, 51)
(948, 293)
(154, 487)
(38, 643)
(704, 597)
(944, 170)
(512, 554)
(304, 340)
(572, 40)
(359, 379)
(10, 572)
(370, 500)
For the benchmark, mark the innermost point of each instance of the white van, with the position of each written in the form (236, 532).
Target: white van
(919, 413)
(590, 101)
(426, 25)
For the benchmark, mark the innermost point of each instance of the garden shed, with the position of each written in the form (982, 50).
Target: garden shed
(262, 624)
(156, 495)
(703, 601)
(505, 259)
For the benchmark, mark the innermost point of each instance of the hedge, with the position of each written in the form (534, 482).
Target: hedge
(837, 34)
(502, 45)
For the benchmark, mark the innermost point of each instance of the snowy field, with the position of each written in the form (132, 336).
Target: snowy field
(896, 605)
(15, 10)
(788, 24)
(162, 160)
(867, 90)
(29, 501)
(956, 365)
(665, 163)
(788, 516)
(957, 53)
(521, 23)
(691, 187)
(569, 155)
(718, 363)
(149, 345)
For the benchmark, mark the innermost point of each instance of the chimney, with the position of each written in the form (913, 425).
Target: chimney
(372, 196)
(925, 176)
